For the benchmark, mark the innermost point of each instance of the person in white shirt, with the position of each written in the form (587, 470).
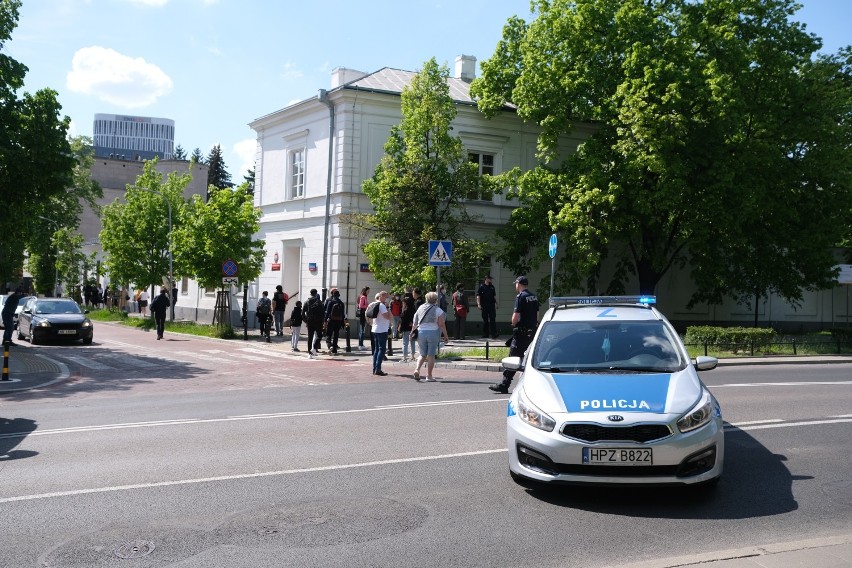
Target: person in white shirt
(380, 328)
(143, 303)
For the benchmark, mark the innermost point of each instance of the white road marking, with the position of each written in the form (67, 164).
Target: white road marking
(790, 424)
(247, 476)
(88, 363)
(790, 384)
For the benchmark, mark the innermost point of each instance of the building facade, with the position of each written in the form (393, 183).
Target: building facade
(312, 157)
(136, 138)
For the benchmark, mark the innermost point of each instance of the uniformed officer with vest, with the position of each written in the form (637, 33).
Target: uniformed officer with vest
(524, 324)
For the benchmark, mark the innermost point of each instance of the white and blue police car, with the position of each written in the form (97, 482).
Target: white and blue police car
(609, 395)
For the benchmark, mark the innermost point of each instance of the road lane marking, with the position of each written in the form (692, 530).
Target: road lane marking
(89, 363)
(770, 421)
(789, 424)
(248, 475)
(790, 384)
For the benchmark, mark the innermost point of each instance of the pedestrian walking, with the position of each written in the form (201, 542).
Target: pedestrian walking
(335, 315)
(360, 313)
(159, 307)
(143, 303)
(486, 301)
(313, 316)
(524, 324)
(429, 328)
(406, 319)
(279, 305)
(381, 322)
(264, 315)
(460, 310)
(8, 314)
(396, 312)
(295, 326)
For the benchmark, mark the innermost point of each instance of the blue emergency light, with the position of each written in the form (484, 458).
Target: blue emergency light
(602, 300)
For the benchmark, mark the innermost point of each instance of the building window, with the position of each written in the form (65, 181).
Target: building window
(297, 173)
(485, 162)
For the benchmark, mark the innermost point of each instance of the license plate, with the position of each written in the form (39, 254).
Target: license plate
(67, 332)
(618, 456)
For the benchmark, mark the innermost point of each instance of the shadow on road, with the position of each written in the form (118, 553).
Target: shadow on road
(12, 433)
(755, 483)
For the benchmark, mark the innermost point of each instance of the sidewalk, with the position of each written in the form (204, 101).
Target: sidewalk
(830, 552)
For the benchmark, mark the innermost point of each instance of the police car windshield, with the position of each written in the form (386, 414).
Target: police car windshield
(626, 346)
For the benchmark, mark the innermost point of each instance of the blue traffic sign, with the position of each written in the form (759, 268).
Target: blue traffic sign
(229, 268)
(440, 253)
(552, 246)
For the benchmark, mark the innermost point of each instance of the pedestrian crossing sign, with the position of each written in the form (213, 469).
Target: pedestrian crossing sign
(440, 253)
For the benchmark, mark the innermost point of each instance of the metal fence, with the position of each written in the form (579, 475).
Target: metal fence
(824, 346)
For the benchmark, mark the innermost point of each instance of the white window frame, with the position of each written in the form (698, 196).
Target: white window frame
(296, 171)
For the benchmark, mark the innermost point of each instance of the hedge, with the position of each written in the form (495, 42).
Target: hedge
(732, 338)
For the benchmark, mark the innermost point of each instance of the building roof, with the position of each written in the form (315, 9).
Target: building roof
(392, 81)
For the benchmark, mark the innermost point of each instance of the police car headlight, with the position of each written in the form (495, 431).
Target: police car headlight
(700, 415)
(530, 414)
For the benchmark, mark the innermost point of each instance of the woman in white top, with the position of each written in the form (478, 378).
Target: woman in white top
(143, 303)
(430, 324)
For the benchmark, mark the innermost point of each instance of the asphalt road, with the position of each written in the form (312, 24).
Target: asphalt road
(191, 453)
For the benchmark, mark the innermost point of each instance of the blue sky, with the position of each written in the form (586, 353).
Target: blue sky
(213, 66)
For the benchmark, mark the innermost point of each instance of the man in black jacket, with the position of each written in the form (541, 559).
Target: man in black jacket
(159, 307)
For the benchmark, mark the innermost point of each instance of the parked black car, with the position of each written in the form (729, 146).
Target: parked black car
(54, 318)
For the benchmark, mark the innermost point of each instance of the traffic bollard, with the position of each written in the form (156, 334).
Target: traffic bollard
(6, 361)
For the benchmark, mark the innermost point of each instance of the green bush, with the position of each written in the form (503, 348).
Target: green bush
(731, 338)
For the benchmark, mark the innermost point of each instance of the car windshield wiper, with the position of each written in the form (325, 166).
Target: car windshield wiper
(550, 369)
(635, 369)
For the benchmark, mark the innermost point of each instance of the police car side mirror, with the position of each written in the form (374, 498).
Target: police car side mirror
(704, 363)
(512, 363)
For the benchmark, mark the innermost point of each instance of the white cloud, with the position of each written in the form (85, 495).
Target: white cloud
(150, 2)
(291, 72)
(115, 78)
(246, 151)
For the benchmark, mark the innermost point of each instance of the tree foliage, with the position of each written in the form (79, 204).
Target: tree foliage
(36, 162)
(217, 230)
(179, 153)
(135, 233)
(419, 188)
(217, 173)
(720, 142)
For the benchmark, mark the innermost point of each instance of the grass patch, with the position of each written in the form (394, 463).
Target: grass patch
(494, 353)
(147, 324)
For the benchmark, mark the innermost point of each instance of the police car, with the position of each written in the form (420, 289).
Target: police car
(609, 395)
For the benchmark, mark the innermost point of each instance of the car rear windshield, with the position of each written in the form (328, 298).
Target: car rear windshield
(641, 346)
(57, 307)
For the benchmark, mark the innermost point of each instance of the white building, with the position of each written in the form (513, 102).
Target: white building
(136, 138)
(312, 157)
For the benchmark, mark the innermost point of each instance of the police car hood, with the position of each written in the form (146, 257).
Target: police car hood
(590, 392)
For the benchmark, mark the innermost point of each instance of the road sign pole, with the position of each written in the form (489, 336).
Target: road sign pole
(551, 250)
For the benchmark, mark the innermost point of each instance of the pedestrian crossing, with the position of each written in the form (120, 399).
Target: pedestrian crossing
(208, 358)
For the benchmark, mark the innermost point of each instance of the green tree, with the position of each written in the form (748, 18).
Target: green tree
(217, 172)
(719, 141)
(62, 210)
(36, 162)
(217, 230)
(179, 153)
(249, 179)
(197, 157)
(419, 189)
(135, 234)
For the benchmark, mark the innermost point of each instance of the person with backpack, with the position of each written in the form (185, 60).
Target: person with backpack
(380, 317)
(335, 316)
(314, 316)
(406, 319)
(279, 304)
(264, 315)
(460, 309)
(158, 307)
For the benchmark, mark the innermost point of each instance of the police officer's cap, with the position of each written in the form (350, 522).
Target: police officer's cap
(521, 280)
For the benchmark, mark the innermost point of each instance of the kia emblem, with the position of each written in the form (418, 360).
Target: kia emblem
(615, 418)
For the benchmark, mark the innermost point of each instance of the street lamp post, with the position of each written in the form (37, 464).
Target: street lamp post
(55, 267)
(171, 258)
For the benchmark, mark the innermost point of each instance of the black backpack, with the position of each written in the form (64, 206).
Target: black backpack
(337, 310)
(374, 310)
(314, 312)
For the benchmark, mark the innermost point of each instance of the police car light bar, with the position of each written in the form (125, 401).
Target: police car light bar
(602, 300)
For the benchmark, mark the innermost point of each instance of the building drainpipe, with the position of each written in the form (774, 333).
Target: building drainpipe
(323, 98)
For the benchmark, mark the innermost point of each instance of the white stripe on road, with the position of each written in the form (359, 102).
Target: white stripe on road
(790, 384)
(88, 363)
(247, 476)
(789, 424)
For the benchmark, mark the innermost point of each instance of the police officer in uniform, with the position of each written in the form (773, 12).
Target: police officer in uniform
(524, 324)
